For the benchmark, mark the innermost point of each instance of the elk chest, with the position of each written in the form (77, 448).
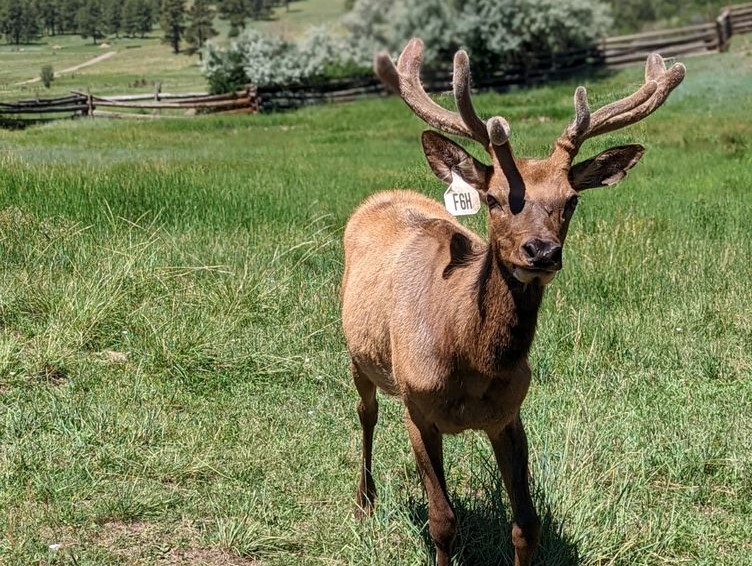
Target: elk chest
(469, 399)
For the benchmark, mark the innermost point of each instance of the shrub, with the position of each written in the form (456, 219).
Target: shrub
(504, 33)
(223, 69)
(498, 34)
(47, 75)
(265, 60)
(388, 24)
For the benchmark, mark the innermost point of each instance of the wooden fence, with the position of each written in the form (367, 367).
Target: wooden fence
(610, 52)
(138, 106)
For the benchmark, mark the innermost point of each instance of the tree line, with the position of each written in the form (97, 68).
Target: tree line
(182, 21)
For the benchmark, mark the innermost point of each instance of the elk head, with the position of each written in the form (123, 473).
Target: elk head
(530, 201)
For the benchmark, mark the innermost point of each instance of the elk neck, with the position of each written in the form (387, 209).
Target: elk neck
(504, 316)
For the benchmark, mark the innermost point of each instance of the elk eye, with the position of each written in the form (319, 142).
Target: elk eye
(570, 206)
(492, 202)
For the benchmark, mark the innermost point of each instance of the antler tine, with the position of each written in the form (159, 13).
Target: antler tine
(496, 130)
(666, 83)
(461, 84)
(494, 134)
(573, 136)
(386, 71)
(659, 83)
(620, 106)
(411, 91)
(655, 67)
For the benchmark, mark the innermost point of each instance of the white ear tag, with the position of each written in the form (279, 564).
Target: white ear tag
(461, 198)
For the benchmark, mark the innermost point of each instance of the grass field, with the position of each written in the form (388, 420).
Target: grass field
(134, 68)
(174, 385)
(137, 63)
(302, 15)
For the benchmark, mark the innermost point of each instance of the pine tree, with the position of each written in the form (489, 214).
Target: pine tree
(130, 18)
(30, 21)
(259, 9)
(200, 28)
(138, 17)
(68, 10)
(171, 20)
(89, 20)
(113, 16)
(236, 12)
(10, 20)
(49, 15)
(146, 13)
(19, 21)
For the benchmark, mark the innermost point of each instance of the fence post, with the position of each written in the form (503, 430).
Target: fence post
(254, 100)
(89, 104)
(723, 29)
(157, 92)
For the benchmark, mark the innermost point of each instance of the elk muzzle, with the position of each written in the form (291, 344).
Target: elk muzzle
(542, 254)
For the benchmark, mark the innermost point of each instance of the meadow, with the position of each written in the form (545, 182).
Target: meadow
(137, 64)
(174, 384)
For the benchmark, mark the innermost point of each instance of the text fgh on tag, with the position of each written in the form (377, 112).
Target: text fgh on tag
(461, 198)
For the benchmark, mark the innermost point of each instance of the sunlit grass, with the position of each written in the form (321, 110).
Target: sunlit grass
(174, 382)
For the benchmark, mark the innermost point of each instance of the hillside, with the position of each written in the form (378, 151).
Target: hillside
(136, 64)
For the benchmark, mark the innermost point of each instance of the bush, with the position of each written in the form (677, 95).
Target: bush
(387, 24)
(47, 75)
(223, 68)
(498, 34)
(265, 61)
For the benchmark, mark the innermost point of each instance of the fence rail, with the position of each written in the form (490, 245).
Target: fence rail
(138, 106)
(610, 52)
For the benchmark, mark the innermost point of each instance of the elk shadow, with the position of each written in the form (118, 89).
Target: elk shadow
(484, 530)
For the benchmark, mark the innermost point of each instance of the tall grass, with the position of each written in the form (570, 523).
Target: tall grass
(173, 379)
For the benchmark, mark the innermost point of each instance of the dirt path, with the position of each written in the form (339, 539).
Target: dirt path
(94, 61)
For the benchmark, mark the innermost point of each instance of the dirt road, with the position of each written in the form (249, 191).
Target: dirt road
(94, 61)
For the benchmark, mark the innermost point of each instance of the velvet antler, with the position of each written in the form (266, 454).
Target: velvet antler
(659, 82)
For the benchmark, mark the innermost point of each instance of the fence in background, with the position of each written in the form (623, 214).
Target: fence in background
(610, 52)
(138, 106)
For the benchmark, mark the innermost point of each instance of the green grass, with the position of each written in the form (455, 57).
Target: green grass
(208, 253)
(138, 63)
(136, 66)
(301, 16)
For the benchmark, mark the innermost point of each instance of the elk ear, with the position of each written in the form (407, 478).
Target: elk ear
(606, 168)
(445, 156)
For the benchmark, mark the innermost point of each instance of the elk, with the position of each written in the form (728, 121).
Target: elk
(444, 320)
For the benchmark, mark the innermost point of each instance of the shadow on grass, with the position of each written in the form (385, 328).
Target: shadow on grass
(484, 533)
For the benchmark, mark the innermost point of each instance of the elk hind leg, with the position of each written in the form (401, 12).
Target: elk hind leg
(368, 413)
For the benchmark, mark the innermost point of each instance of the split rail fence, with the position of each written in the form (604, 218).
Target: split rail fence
(610, 52)
(137, 106)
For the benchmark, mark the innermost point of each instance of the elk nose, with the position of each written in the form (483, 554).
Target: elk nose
(542, 254)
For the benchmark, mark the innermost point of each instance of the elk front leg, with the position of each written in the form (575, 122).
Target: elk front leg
(426, 441)
(368, 413)
(510, 449)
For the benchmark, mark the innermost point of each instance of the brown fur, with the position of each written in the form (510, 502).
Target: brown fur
(435, 315)
(442, 319)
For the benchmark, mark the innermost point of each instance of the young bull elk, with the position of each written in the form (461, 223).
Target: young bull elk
(444, 320)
